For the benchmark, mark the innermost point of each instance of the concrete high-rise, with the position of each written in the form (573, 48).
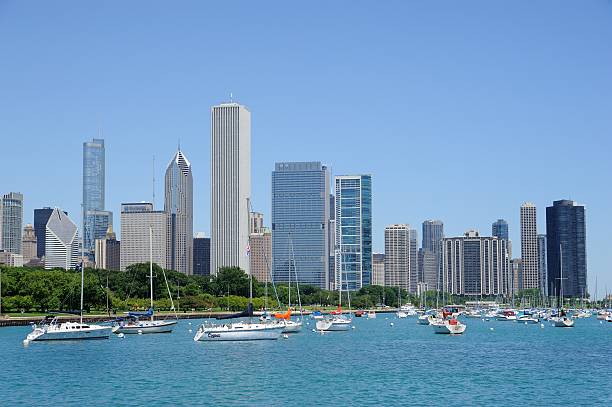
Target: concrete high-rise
(257, 222)
(11, 222)
(401, 257)
(475, 265)
(542, 264)
(28, 244)
(529, 247)
(499, 229)
(178, 205)
(566, 234)
(230, 185)
(353, 222)
(61, 242)
(201, 255)
(95, 219)
(261, 254)
(378, 269)
(300, 218)
(136, 219)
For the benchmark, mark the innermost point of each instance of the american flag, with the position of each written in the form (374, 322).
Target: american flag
(248, 250)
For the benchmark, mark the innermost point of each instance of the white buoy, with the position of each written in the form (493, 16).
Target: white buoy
(601, 322)
(314, 330)
(542, 326)
(492, 329)
(140, 332)
(307, 323)
(525, 323)
(26, 342)
(285, 336)
(189, 323)
(353, 327)
(121, 335)
(190, 331)
(391, 324)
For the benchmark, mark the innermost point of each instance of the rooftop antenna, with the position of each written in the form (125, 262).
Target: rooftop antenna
(153, 182)
(231, 97)
(179, 144)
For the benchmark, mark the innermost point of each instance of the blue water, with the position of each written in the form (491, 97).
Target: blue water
(374, 364)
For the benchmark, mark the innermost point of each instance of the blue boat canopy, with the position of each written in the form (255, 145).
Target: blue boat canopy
(148, 313)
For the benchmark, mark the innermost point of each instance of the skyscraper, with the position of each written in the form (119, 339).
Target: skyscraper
(28, 244)
(108, 252)
(201, 255)
(429, 259)
(230, 185)
(41, 217)
(542, 264)
(566, 233)
(257, 222)
(61, 242)
(178, 206)
(401, 257)
(261, 254)
(94, 168)
(499, 229)
(11, 222)
(136, 219)
(300, 218)
(378, 269)
(475, 265)
(353, 222)
(529, 247)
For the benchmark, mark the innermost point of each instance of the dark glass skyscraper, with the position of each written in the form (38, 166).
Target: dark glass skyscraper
(500, 229)
(95, 219)
(433, 232)
(300, 218)
(201, 256)
(566, 234)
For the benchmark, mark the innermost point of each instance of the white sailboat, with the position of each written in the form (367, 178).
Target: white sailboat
(400, 312)
(240, 331)
(562, 320)
(134, 323)
(291, 326)
(335, 321)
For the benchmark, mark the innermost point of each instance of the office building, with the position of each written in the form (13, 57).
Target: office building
(353, 222)
(378, 269)
(10, 259)
(230, 185)
(201, 255)
(429, 259)
(542, 265)
(136, 220)
(499, 229)
(61, 242)
(257, 222)
(300, 219)
(529, 247)
(401, 257)
(261, 254)
(516, 277)
(108, 251)
(95, 223)
(475, 265)
(566, 235)
(178, 205)
(41, 217)
(28, 244)
(11, 222)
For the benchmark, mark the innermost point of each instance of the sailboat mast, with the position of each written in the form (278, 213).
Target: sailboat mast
(151, 265)
(82, 263)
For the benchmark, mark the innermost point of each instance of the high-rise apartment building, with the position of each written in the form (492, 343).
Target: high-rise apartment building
(95, 219)
(499, 229)
(28, 244)
(257, 222)
(353, 222)
(230, 185)
(201, 255)
(61, 242)
(429, 259)
(261, 254)
(136, 220)
(378, 269)
(107, 251)
(566, 238)
(475, 265)
(178, 205)
(529, 247)
(401, 257)
(300, 218)
(542, 264)
(11, 222)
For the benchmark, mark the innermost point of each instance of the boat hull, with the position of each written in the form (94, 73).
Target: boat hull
(563, 323)
(448, 329)
(97, 332)
(334, 325)
(236, 333)
(145, 327)
(292, 327)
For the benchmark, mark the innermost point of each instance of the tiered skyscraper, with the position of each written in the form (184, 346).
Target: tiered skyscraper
(353, 222)
(230, 185)
(300, 218)
(11, 222)
(95, 219)
(566, 233)
(61, 242)
(401, 257)
(178, 206)
(529, 247)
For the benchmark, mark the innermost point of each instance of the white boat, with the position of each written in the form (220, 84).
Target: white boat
(450, 327)
(527, 319)
(291, 327)
(238, 331)
(563, 322)
(134, 324)
(401, 314)
(473, 314)
(424, 319)
(507, 315)
(371, 315)
(337, 323)
(56, 331)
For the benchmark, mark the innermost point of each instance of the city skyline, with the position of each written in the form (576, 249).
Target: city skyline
(133, 120)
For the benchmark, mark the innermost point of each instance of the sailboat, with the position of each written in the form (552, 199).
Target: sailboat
(285, 318)
(562, 320)
(240, 331)
(50, 329)
(335, 321)
(134, 323)
(400, 312)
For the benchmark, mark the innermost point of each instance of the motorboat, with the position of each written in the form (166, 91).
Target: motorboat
(506, 315)
(448, 326)
(50, 329)
(335, 323)
(527, 319)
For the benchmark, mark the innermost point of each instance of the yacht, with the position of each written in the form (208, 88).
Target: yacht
(50, 329)
(527, 319)
(335, 323)
(448, 326)
(507, 315)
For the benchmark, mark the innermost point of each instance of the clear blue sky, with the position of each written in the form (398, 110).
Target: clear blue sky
(460, 110)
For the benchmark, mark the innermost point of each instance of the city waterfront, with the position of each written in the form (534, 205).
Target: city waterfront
(383, 361)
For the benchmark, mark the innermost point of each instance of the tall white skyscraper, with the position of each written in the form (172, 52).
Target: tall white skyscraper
(178, 206)
(230, 184)
(529, 247)
(401, 257)
(11, 222)
(136, 218)
(61, 242)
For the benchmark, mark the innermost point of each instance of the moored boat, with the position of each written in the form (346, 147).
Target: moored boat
(451, 326)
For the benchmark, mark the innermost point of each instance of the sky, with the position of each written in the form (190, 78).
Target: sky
(461, 111)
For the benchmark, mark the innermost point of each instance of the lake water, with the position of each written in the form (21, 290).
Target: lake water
(374, 364)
